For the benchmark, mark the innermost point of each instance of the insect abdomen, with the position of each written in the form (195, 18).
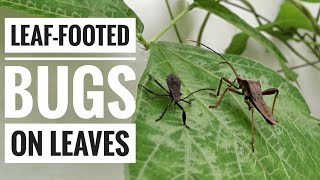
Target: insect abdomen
(174, 85)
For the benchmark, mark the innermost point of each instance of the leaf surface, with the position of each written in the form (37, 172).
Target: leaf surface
(290, 16)
(74, 8)
(218, 144)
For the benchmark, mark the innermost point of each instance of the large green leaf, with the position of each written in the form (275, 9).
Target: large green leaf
(74, 8)
(290, 16)
(218, 144)
(219, 10)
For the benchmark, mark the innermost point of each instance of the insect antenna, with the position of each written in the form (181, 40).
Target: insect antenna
(204, 89)
(225, 61)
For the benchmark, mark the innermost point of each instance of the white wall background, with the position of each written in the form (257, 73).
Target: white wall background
(218, 34)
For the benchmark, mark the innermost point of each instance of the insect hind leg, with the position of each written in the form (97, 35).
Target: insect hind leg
(251, 108)
(270, 92)
(252, 130)
(164, 112)
(184, 115)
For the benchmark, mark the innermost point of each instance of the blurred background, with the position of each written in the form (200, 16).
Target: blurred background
(154, 14)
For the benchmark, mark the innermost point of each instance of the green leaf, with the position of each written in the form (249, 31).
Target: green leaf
(282, 35)
(219, 10)
(238, 44)
(239, 41)
(218, 144)
(290, 16)
(311, 1)
(308, 14)
(74, 8)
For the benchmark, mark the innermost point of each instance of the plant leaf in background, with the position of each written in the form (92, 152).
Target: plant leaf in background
(75, 8)
(218, 144)
(239, 41)
(219, 10)
(238, 44)
(290, 16)
(312, 1)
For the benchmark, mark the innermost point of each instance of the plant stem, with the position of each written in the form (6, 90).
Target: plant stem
(300, 66)
(315, 52)
(307, 13)
(202, 28)
(172, 17)
(142, 41)
(248, 10)
(307, 42)
(166, 28)
(246, 3)
(286, 43)
(315, 34)
(300, 55)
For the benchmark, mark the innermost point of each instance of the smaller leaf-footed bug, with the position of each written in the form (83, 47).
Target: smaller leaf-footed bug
(251, 90)
(174, 93)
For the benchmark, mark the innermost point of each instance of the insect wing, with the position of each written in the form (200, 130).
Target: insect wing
(259, 103)
(174, 85)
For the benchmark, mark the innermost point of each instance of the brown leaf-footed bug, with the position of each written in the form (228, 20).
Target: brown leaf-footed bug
(251, 90)
(174, 93)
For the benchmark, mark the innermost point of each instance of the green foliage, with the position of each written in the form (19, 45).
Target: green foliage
(290, 16)
(238, 44)
(218, 144)
(219, 10)
(239, 41)
(75, 8)
(312, 1)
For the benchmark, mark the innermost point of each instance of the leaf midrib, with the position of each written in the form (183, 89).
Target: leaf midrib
(63, 2)
(10, 2)
(211, 168)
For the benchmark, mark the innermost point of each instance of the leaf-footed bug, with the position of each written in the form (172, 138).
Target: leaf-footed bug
(251, 90)
(174, 93)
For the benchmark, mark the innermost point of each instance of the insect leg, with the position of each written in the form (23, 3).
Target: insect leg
(150, 91)
(232, 89)
(269, 92)
(184, 116)
(158, 83)
(252, 130)
(189, 101)
(165, 110)
(155, 97)
(250, 106)
(252, 122)
(220, 84)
